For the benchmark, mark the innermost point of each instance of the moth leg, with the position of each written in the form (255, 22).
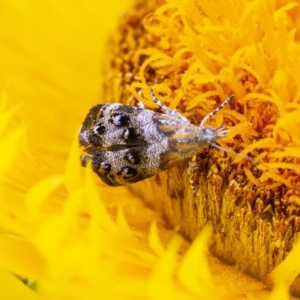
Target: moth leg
(193, 175)
(213, 112)
(165, 109)
(85, 160)
(140, 104)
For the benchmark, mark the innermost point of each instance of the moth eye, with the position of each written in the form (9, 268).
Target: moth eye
(128, 172)
(129, 134)
(133, 157)
(104, 167)
(120, 120)
(99, 129)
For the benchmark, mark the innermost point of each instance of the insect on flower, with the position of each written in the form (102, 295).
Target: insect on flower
(126, 144)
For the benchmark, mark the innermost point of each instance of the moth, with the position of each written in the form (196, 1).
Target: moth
(125, 144)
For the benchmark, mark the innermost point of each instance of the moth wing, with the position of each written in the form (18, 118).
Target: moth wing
(125, 165)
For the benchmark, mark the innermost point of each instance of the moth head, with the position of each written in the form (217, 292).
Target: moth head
(210, 134)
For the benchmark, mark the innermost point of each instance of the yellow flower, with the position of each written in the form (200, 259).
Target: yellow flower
(197, 53)
(77, 238)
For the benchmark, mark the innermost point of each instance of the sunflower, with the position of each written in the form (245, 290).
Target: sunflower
(69, 236)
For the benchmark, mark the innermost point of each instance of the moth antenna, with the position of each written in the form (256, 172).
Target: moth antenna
(213, 112)
(234, 153)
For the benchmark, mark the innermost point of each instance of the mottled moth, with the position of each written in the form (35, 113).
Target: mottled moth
(126, 144)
